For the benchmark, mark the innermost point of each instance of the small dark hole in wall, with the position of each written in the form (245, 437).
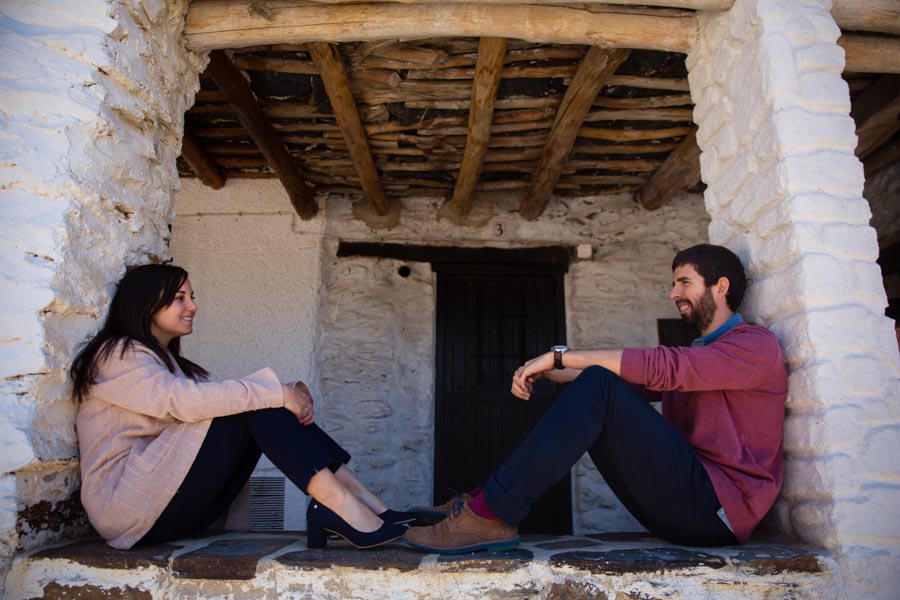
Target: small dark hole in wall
(404, 271)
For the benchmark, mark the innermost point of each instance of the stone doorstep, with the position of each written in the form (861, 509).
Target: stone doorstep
(278, 565)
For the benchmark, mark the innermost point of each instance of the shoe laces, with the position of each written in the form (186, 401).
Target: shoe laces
(457, 508)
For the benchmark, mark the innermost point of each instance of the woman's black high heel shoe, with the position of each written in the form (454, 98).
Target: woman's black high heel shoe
(321, 520)
(397, 517)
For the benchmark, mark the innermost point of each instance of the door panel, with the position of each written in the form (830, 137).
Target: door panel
(489, 321)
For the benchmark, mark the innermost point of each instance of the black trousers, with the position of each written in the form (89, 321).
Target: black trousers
(226, 459)
(646, 462)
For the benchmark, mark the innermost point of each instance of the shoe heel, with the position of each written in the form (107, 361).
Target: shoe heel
(315, 538)
(315, 533)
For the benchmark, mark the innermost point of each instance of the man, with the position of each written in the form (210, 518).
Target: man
(702, 473)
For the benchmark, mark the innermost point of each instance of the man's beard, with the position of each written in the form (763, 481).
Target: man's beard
(702, 313)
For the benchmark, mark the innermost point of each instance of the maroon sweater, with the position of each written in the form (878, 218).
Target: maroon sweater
(727, 400)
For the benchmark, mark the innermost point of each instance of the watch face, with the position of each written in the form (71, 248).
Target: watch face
(559, 348)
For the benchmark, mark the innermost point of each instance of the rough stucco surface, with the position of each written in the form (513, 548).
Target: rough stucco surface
(785, 192)
(372, 360)
(87, 176)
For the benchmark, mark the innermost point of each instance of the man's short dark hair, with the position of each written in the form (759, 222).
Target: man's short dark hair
(713, 262)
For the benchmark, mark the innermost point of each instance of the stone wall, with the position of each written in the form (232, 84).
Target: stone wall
(785, 193)
(373, 362)
(86, 186)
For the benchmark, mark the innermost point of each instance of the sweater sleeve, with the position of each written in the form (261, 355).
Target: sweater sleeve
(140, 382)
(742, 359)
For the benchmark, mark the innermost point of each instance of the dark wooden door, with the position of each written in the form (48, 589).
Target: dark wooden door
(490, 319)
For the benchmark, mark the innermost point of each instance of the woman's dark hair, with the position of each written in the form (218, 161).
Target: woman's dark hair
(142, 292)
(713, 262)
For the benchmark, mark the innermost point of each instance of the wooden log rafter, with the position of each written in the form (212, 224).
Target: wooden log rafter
(877, 114)
(236, 90)
(212, 24)
(337, 86)
(484, 91)
(597, 66)
(199, 161)
(679, 172)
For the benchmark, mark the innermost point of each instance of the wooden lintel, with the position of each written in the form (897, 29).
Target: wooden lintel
(595, 69)
(212, 24)
(679, 172)
(237, 92)
(879, 16)
(870, 53)
(337, 86)
(491, 52)
(200, 164)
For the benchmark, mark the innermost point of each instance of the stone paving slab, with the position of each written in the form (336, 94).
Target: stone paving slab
(278, 565)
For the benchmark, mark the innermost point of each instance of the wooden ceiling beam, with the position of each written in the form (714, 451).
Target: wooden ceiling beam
(236, 90)
(877, 114)
(337, 86)
(598, 65)
(879, 16)
(212, 24)
(870, 53)
(886, 156)
(679, 172)
(200, 163)
(491, 52)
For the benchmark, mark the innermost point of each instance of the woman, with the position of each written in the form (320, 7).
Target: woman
(164, 452)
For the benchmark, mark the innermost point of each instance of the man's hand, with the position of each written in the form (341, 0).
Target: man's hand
(525, 376)
(299, 401)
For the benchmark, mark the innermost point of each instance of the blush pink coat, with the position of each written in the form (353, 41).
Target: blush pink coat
(139, 430)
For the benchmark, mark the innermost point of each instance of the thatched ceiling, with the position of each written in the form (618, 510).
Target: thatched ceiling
(455, 115)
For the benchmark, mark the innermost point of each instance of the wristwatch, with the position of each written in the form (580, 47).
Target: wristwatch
(558, 351)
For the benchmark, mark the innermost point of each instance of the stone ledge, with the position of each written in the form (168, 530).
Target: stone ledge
(278, 565)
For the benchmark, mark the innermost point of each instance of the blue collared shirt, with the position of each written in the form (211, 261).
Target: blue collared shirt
(709, 338)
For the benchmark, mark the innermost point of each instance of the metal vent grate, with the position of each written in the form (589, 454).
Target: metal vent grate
(266, 503)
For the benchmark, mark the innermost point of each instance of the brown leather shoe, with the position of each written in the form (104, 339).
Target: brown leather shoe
(463, 531)
(444, 509)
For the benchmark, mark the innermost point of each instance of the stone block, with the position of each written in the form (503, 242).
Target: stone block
(94, 552)
(644, 560)
(801, 131)
(86, 591)
(227, 559)
(825, 172)
(827, 87)
(388, 557)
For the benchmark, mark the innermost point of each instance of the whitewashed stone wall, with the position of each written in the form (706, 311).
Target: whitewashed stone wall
(785, 193)
(87, 176)
(373, 362)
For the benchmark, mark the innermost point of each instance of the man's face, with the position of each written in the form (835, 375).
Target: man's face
(694, 300)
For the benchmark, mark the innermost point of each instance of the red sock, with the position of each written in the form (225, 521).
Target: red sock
(475, 493)
(480, 508)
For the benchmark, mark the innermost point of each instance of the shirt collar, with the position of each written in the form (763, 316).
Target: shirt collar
(709, 338)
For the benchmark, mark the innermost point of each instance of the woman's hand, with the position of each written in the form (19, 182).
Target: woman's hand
(525, 376)
(299, 401)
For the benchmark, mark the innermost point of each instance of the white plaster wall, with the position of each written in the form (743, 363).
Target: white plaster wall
(87, 176)
(375, 352)
(785, 192)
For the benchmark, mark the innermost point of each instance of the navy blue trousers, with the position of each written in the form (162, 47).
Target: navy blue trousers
(226, 459)
(645, 461)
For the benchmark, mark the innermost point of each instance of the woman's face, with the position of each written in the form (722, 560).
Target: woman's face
(176, 319)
